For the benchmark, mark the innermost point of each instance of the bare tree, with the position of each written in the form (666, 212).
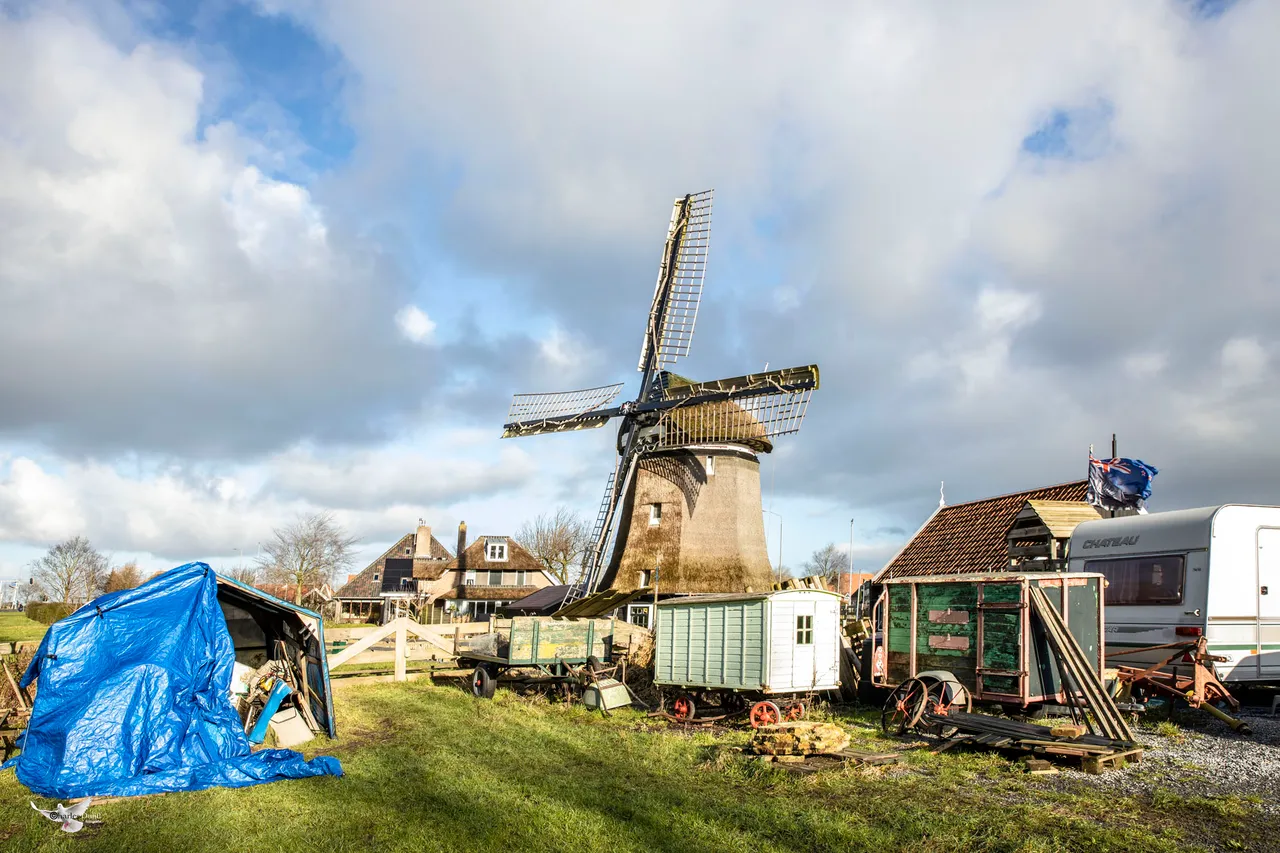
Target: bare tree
(244, 572)
(557, 540)
(827, 562)
(123, 577)
(71, 571)
(307, 553)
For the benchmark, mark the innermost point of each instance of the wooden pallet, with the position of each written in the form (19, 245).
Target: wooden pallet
(1096, 764)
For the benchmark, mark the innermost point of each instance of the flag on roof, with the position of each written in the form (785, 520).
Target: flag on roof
(1119, 483)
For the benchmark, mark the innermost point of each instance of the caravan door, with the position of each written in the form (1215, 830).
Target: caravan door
(1268, 597)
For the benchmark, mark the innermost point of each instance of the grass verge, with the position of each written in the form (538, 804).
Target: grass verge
(15, 627)
(430, 768)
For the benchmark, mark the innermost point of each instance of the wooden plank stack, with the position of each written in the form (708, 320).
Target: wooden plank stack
(799, 739)
(1096, 753)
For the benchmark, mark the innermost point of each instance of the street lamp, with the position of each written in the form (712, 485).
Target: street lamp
(779, 572)
(851, 556)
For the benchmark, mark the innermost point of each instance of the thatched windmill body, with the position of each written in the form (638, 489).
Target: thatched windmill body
(684, 494)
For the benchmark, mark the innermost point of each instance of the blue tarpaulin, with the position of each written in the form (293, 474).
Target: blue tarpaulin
(133, 699)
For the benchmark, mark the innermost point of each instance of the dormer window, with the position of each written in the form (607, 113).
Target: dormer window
(495, 550)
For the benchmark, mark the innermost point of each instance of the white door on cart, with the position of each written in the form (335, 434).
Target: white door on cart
(1268, 595)
(803, 662)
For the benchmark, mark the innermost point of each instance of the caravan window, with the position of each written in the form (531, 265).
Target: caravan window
(1142, 580)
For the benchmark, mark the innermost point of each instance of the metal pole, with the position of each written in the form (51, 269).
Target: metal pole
(851, 561)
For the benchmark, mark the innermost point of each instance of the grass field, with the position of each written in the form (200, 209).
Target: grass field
(430, 768)
(16, 627)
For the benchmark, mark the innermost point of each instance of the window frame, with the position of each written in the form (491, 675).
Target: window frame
(1114, 586)
(711, 466)
(655, 514)
(495, 551)
(804, 629)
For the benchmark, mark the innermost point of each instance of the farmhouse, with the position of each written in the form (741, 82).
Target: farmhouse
(486, 574)
(390, 577)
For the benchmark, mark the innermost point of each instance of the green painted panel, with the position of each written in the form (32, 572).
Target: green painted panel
(1001, 593)
(961, 599)
(715, 644)
(1085, 616)
(1001, 639)
(1007, 684)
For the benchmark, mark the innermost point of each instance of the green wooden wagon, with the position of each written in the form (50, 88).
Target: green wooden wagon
(965, 638)
(556, 649)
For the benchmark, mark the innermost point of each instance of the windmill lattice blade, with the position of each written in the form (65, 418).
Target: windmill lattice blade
(534, 414)
(746, 420)
(679, 289)
(788, 379)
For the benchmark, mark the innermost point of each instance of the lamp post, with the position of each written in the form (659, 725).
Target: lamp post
(851, 559)
(779, 571)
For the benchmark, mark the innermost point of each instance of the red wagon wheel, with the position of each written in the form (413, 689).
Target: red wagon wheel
(764, 714)
(684, 708)
(795, 712)
(904, 707)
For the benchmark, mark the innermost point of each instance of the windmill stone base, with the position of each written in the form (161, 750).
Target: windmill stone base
(709, 530)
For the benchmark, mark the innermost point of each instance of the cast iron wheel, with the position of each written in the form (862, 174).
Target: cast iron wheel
(904, 707)
(732, 703)
(483, 683)
(940, 700)
(684, 708)
(795, 712)
(764, 714)
(594, 666)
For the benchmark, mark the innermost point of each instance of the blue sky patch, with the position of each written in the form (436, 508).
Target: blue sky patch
(1082, 133)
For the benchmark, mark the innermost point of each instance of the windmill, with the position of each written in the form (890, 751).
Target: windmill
(672, 434)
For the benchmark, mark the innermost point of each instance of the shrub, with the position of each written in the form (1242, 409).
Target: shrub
(48, 612)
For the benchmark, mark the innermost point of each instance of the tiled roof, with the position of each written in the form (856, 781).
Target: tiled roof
(364, 587)
(474, 557)
(970, 537)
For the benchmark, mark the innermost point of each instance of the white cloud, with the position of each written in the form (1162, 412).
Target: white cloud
(1244, 361)
(415, 325)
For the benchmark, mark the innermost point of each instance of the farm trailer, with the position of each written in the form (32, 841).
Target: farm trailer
(558, 648)
(972, 635)
(734, 648)
(1176, 576)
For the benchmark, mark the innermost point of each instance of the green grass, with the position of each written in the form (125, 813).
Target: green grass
(430, 768)
(16, 627)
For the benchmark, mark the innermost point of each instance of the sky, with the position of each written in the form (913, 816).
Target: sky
(260, 258)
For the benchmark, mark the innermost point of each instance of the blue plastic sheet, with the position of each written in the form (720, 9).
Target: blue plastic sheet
(133, 699)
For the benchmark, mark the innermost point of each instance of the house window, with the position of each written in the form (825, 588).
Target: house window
(655, 515)
(804, 630)
(1141, 580)
(496, 550)
(375, 575)
(522, 578)
(646, 577)
(638, 615)
(408, 551)
(470, 578)
(711, 466)
(495, 578)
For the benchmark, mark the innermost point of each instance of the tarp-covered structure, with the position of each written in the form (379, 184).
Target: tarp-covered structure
(133, 692)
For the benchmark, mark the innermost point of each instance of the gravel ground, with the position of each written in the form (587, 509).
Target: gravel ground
(1206, 759)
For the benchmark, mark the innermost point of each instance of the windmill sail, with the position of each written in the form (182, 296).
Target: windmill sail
(742, 420)
(535, 414)
(678, 292)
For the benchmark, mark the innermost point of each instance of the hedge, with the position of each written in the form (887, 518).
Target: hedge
(48, 612)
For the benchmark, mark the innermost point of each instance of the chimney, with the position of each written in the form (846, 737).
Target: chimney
(422, 544)
(462, 545)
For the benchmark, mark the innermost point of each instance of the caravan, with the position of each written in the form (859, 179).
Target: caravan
(1173, 576)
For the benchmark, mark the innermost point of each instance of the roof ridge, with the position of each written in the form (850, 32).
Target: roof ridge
(1019, 492)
